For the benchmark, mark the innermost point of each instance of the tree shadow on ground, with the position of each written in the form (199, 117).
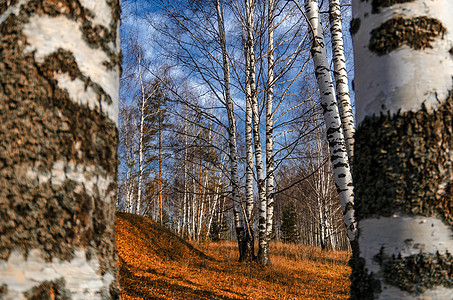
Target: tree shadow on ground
(150, 286)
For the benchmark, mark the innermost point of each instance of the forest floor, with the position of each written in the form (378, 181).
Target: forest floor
(156, 264)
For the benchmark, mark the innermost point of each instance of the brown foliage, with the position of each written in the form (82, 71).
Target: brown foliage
(156, 264)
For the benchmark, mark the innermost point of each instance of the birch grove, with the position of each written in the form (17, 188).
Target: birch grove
(403, 165)
(246, 64)
(60, 78)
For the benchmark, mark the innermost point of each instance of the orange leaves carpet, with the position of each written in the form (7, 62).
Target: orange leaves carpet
(156, 264)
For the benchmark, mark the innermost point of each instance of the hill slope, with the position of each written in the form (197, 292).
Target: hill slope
(156, 264)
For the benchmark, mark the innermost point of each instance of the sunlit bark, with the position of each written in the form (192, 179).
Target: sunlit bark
(403, 167)
(341, 77)
(59, 78)
(338, 153)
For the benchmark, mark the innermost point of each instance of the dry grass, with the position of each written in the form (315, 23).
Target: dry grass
(155, 264)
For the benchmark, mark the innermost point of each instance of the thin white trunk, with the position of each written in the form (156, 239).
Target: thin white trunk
(341, 77)
(249, 93)
(194, 209)
(129, 148)
(338, 153)
(232, 140)
(270, 127)
(202, 199)
(185, 204)
(213, 209)
(141, 134)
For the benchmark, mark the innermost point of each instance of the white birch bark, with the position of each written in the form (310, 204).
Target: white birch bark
(252, 98)
(213, 209)
(130, 182)
(269, 132)
(141, 132)
(194, 209)
(341, 77)
(232, 140)
(249, 92)
(185, 204)
(404, 77)
(56, 194)
(397, 90)
(338, 153)
(128, 139)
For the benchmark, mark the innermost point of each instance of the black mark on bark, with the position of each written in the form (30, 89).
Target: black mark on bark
(403, 163)
(418, 33)
(49, 290)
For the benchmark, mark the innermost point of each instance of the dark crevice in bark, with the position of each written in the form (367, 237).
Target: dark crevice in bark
(405, 164)
(417, 33)
(417, 273)
(354, 26)
(364, 286)
(245, 244)
(5, 4)
(247, 247)
(3, 290)
(49, 290)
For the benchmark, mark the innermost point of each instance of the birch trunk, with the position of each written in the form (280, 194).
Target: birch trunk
(262, 254)
(185, 205)
(341, 77)
(248, 111)
(338, 153)
(160, 170)
(213, 209)
(269, 131)
(251, 100)
(129, 148)
(252, 96)
(403, 167)
(141, 133)
(58, 153)
(240, 229)
(129, 185)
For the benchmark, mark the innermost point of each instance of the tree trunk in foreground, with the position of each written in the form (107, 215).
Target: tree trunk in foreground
(59, 75)
(338, 153)
(403, 164)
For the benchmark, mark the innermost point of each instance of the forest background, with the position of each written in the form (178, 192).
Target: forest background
(176, 111)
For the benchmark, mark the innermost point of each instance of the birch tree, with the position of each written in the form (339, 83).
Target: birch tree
(240, 227)
(143, 105)
(59, 78)
(251, 113)
(403, 167)
(266, 203)
(338, 153)
(341, 77)
(127, 145)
